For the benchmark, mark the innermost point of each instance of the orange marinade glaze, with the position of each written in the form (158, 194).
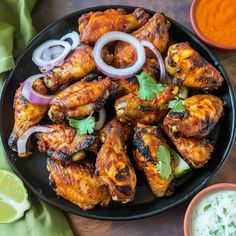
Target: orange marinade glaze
(216, 19)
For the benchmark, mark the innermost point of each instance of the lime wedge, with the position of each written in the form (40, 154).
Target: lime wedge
(13, 197)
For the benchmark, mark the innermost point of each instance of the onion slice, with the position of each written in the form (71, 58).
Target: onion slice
(112, 71)
(22, 141)
(101, 120)
(44, 62)
(31, 95)
(149, 45)
(74, 36)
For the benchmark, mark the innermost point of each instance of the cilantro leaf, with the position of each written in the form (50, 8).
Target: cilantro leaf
(176, 105)
(148, 87)
(85, 126)
(163, 165)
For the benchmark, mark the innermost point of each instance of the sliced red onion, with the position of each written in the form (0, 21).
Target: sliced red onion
(31, 95)
(46, 64)
(22, 141)
(101, 120)
(74, 36)
(149, 45)
(112, 71)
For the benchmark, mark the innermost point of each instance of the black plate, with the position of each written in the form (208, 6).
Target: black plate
(33, 171)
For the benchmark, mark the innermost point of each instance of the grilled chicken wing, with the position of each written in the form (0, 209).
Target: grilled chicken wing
(64, 144)
(93, 25)
(113, 165)
(146, 144)
(155, 31)
(201, 115)
(184, 63)
(26, 114)
(76, 66)
(79, 100)
(196, 152)
(131, 109)
(78, 184)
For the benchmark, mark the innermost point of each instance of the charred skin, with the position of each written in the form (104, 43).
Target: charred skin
(65, 144)
(113, 165)
(131, 109)
(155, 31)
(146, 142)
(26, 114)
(202, 114)
(78, 184)
(76, 66)
(93, 25)
(79, 100)
(185, 64)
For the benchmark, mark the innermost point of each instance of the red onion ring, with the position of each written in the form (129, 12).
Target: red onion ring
(31, 95)
(22, 141)
(149, 45)
(112, 71)
(74, 36)
(101, 120)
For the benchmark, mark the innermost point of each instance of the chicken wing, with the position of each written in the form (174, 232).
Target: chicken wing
(113, 165)
(147, 141)
(201, 115)
(93, 25)
(196, 152)
(78, 184)
(79, 99)
(64, 144)
(155, 31)
(185, 64)
(76, 66)
(131, 109)
(26, 114)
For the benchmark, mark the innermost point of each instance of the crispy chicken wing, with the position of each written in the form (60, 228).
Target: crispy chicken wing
(155, 31)
(201, 115)
(79, 99)
(184, 63)
(76, 66)
(64, 144)
(146, 144)
(93, 25)
(26, 114)
(78, 184)
(113, 165)
(131, 109)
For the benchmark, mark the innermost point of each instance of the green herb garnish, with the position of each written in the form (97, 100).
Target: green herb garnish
(163, 165)
(148, 87)
(225, 210)
(176, 105)
(85, 126)
(207, 207)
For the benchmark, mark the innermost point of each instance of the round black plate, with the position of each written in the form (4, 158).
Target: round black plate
(33, 171)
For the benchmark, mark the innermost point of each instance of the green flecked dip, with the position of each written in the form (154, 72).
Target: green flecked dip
(215, 215)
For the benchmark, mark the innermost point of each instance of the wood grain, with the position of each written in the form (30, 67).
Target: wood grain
(169, 223)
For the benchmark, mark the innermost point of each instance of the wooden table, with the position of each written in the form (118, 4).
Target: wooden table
(169, 223)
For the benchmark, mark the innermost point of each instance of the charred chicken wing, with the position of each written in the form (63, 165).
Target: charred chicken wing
(185, 64)
(78, 184)
(147, 141)
(65, 144)
(93, 25)
(113, 165)
(79, 100)
(26, 114)
(76, 66)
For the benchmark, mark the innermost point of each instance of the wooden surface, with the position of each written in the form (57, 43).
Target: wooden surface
(169, 223)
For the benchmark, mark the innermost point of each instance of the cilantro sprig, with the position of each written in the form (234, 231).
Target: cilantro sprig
(176, 105)
(85, 126)
(163, 166)
(148, 87)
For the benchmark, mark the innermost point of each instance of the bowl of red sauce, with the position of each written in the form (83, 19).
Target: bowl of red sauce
(214, 21)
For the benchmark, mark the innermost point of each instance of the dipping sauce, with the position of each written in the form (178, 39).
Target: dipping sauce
(215, 215)
(216, 19)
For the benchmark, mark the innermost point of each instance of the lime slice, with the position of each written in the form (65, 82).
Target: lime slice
(13, 197)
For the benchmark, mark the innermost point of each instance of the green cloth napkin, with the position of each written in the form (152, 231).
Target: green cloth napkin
(15, 32)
